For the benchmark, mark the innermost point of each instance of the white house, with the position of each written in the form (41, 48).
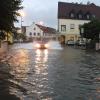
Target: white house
(36, 31)
(71, 16)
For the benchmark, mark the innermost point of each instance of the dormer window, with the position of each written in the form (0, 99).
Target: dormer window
(80, 16)
(93, 16)
(72, 15)
(88, 16)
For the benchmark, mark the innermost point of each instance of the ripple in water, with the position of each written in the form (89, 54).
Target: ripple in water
(54, 45)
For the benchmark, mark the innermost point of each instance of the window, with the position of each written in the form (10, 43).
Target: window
(80, 16)
(38, 34)
(34, 28)
(93, 16)
(30, 33)
(88, 17)
(34, 34)
(43, 34)
(72, 15)
(63, 28)
(72, 26)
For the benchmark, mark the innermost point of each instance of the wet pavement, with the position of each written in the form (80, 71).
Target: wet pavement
(59, 73)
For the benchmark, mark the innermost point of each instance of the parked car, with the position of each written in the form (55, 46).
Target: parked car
(70, 42)
(80, 43)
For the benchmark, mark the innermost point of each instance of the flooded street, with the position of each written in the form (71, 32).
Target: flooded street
(57, 73)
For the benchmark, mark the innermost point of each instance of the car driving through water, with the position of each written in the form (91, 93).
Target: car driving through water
(41, 43)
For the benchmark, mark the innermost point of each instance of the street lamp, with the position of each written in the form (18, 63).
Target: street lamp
(98, 44)
(82, 32)
(22, 14)
(83, 43)
(21, 23)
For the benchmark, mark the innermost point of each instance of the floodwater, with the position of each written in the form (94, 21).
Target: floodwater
(57, 73)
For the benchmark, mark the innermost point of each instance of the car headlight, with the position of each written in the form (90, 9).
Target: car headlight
(46, 45)
(38, 45)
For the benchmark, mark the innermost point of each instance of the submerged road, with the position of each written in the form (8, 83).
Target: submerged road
(59, 73)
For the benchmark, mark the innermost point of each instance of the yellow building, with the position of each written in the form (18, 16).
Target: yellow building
(9, 37)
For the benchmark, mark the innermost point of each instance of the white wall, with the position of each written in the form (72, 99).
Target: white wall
(67, 22)
(31, 29)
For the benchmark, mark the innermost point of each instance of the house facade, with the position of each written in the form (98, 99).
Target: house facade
(37, 31)
(71, 16)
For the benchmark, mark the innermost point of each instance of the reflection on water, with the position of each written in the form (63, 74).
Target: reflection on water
(19, 69)
(88, 77)
(19, 63)
(41, 55)
(40, 61)
(50, 74)
(16, 71)
(54, 45)
(41, 75)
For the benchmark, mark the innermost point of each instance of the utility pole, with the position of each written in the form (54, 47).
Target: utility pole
(81, 30)
(21, 23)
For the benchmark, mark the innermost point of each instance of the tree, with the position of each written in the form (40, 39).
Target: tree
(8, 14)
(92, 30)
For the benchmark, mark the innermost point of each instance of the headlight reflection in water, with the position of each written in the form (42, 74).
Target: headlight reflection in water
(41, 61)
(19, 63)
(19, 69)
(41, 71)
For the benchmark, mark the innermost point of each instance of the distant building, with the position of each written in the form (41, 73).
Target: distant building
(71, 16)
(36, 31)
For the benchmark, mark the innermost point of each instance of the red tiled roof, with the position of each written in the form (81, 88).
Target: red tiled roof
(64, 9)
(46, 29)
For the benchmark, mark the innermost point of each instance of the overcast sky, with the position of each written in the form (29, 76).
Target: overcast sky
(44, 11)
